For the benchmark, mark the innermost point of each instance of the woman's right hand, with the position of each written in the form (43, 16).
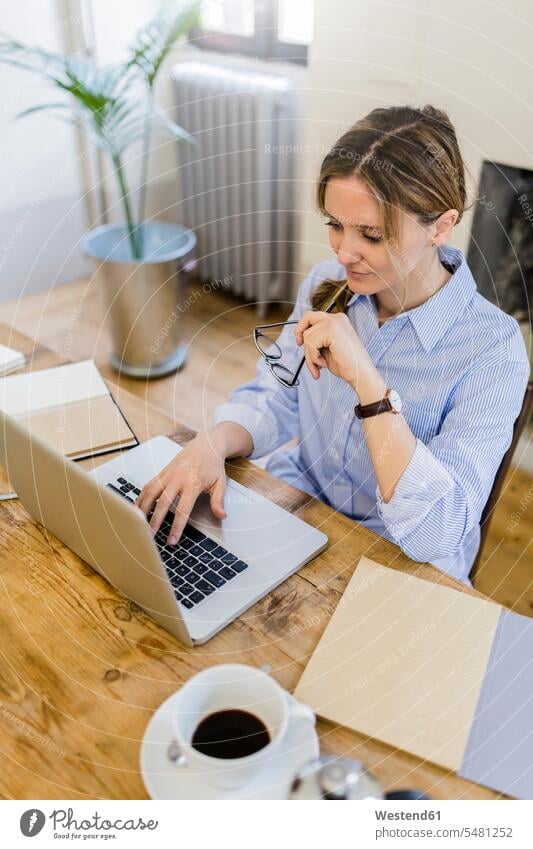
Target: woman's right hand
(197, 468)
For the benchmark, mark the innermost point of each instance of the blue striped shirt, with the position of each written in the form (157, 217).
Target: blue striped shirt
(461, 368)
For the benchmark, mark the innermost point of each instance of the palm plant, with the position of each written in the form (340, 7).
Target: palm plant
(115, 104)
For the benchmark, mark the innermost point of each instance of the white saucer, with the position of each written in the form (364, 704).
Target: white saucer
(164, 780)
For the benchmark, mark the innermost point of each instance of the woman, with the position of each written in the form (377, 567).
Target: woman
(409, 330)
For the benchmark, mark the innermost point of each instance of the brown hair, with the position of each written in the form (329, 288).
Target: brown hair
(410, 159)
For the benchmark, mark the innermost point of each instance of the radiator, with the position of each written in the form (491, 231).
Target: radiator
(238, 184)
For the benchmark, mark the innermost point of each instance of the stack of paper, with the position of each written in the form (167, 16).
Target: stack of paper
(431, 670)
(10, 359)
(68, 406)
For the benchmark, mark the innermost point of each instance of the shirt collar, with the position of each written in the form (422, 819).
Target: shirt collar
(435, 316)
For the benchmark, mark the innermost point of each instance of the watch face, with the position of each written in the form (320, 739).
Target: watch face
(395, 400)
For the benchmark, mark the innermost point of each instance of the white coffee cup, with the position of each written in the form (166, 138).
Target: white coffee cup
(233, 686)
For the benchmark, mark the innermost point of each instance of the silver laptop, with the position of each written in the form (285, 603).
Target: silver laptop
(218, 569)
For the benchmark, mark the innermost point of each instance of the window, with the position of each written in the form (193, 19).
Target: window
(267, 29)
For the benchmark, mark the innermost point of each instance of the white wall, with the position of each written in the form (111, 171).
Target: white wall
(471, 58)
(42, 214)
(115, 26)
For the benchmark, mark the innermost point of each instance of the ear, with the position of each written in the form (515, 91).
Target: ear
(443, 226)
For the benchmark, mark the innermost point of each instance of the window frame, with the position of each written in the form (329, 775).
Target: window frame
(263, 44)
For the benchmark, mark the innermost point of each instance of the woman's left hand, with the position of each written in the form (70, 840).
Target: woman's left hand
(330, 341)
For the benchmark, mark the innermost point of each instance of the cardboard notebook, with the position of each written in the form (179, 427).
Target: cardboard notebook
(68, 406)
(436, 672)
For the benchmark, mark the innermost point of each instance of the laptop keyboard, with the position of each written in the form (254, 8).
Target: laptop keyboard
(197, 565)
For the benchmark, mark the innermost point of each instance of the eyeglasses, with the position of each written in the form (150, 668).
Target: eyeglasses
(272, 353)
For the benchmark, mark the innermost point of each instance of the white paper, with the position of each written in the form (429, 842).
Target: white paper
(10, 359)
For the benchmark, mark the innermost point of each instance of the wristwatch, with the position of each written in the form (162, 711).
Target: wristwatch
(391, 403)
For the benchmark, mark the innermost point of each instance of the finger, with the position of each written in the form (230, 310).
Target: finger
(308, 319)
(299, 331)
(318, 336)
(315, 372)
(149, 495)
(328, 359)
(316, 342)
(316, 350)
(217, 498)
(162, 507)
(181, 516)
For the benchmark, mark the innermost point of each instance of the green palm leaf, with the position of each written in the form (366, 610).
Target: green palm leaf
(33, 109)
(153, 43)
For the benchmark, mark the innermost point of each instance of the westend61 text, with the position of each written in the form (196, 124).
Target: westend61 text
(407, 815)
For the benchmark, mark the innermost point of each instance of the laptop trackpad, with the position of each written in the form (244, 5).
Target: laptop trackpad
(238, 522)
(258, 531)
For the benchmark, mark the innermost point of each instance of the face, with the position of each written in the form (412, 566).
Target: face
(356, 236)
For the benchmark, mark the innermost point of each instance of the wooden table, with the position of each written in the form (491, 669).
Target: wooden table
(83, 668)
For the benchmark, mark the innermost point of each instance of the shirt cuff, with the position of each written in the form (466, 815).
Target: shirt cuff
(424, 482)
(253, 420)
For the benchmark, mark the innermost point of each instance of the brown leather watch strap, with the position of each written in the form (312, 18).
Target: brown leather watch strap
(383, 406)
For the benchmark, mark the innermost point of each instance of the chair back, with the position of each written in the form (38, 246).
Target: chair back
(495, 493)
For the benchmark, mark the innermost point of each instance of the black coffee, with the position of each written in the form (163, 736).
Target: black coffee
(230, 734)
